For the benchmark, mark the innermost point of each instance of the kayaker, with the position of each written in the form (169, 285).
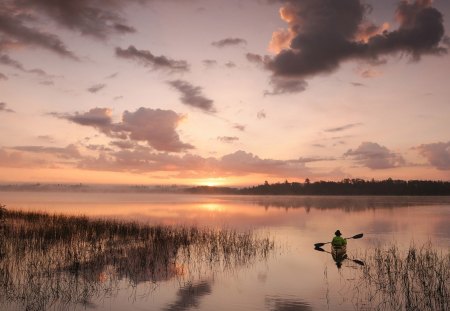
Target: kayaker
(338, 241)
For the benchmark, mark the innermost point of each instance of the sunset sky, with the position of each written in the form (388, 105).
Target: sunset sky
(223, 92)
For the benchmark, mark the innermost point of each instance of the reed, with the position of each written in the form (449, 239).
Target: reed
(55, 260)
(415, 279)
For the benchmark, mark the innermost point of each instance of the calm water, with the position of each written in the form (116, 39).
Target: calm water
(294, 277)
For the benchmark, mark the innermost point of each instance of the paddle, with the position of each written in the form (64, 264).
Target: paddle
(359, 262)
(358, 236)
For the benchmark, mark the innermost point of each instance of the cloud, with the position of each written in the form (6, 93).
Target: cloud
(97, 87)
(46, 138)
(374, 156)
(100, 118)
(154, 126)
(357, 84)
(69, 152)
(124, 28)
(256, 58)
(99, 18)
(229, 42)
(112, 76)
(4, 108)
(322, 34)
(147, 59)
(343, 127)
(286, 85)
(8, 61)
(209, 62)
(437, 154)
(227, 139)
(241, 162)
(230, 64)
(239, 127)
(3, 77)
(192, 95)
(261, 115)
(13, 27)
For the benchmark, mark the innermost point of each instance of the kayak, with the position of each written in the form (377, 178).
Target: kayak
(339, 253)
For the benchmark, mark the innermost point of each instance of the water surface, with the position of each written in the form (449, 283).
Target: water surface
(294, 277)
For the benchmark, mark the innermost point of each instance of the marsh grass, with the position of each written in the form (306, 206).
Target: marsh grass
(415, 279)
(54, 261)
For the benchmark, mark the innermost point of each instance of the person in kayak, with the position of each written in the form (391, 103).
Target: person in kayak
(338, 241)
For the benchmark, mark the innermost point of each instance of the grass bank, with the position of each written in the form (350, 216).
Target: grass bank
(48, 260)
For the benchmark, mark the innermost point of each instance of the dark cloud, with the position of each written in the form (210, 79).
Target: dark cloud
(13, 27)
(100, 118)
(286, 85)
(154, 126)
(437, 154)
(3, 77)
(192, 95)
(227, 139)
(254, 58)
(322, 34)
(261, 115)
(98, 18)
(374, 156)
(4, 108)
(229, 42)
(97, 87)
(124, 28)
(343, 127)
(149, 60)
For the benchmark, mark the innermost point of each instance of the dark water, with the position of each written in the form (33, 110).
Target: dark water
(293, 277)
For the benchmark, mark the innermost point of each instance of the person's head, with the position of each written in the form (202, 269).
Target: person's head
(338, 233)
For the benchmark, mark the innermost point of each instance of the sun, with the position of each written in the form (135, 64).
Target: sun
(211, 182)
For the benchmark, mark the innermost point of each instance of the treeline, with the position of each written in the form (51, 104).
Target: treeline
(343, 187)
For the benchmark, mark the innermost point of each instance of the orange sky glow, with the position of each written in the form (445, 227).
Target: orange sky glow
(223, 93)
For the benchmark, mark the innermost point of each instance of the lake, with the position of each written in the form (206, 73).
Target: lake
(293, 277)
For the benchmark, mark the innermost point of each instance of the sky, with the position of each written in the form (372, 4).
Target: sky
(223, 92)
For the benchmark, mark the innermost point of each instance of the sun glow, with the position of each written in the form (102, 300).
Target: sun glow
(212, 182)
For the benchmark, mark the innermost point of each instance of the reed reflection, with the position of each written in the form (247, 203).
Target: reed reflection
(61, 261)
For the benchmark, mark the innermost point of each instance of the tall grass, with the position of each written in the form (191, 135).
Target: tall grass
(415, 279)
(54, 260)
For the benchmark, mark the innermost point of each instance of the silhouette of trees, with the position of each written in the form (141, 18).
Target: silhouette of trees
(344, 187)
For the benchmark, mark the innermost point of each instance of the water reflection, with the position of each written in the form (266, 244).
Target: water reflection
(345, 203)
(63, 261)
(189, 296)
(277, 303)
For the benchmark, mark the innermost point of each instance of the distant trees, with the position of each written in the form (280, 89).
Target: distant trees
(344, 187)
